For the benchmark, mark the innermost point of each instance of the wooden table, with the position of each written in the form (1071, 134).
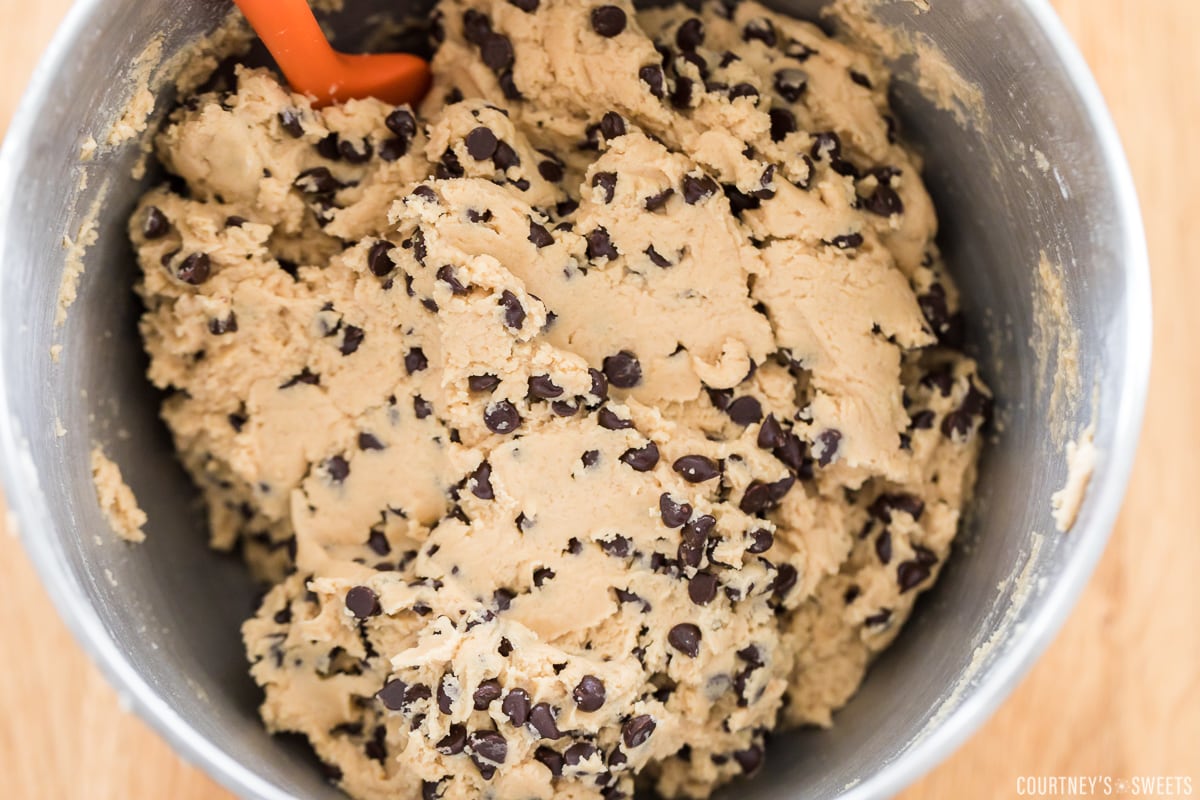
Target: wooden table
(1119, 691)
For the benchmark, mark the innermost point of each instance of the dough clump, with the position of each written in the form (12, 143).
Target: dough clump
(590, 421)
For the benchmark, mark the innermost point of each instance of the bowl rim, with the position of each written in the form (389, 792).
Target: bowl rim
(29, 514)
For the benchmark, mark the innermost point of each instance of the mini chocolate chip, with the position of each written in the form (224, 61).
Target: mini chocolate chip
(487, 692)
(617, 547)
(542, 718)
(481, 143)
(514, 312)
(637, 730)
(623, 370)
(516, 706)
(379, 543)
(422, 408)
(379, 258)
(352, 337)
(482, 383)
(884, 201)
(600, 245)
(750, 759)
(883, 505)
(608, 21)
(539, 235)
(682, 96)
(860, 79)
(428, 194)
(194, 269)
(745, 410)
(362, 602)
(496, 51)
(606, 181)
(656, 201)
(641, 459)
(847, 241)
(402, 123)
(762, 540)
(609, 420)
(883, 546)
(156, 224)
(392, 695)
(481, 482)
(541, 575)
(696, 468)
(446, 275)
(702, 588)
(454, 741)
(501, 417)
(923, 420)
(785, 579)
(697, 188)
(289, 120)
(690, 34)
(318, 180)
(791, 85)
(599, 387)
(656, 259)
(685, 637)
(674, 514)
(415, 360)
(783, 122)
(742, 90)
(551, 759)
(304, 376)
(589, 693)
(444, 702)
(829, 442)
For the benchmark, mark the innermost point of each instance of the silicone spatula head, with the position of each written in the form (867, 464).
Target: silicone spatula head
(312, 67)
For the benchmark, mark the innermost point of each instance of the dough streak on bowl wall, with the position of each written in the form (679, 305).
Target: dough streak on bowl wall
(591, 421)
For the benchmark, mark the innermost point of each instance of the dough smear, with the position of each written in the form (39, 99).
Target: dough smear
(591, 421)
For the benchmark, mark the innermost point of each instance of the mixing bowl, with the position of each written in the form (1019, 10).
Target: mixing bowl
(1037, 170)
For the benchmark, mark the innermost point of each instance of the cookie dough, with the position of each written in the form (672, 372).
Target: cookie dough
(117, 501)
(591, 421)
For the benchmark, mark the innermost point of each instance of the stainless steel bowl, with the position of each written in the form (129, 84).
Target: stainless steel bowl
(162, 619)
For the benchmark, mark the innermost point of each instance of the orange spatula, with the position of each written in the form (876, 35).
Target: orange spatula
(290, 31)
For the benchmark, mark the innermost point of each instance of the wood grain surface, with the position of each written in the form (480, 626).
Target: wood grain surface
(1118, 693)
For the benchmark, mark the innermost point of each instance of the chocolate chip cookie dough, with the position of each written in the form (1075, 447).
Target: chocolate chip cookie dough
(591, 421)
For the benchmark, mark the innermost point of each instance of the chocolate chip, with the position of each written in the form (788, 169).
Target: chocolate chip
(156, 224)
(551, 759)
(612, 125)
(880, 618)
(429, 195)
(481, 482)
(379, 258)
(496, 51)
(641, 459)
(608, 419)
(542, 718)
(194, 269)
(860, 79)
(589, 694)
(884, 201)
(771, 434)
(911, 574)
(289, 120)
(482, 383)
(600, 245)
(761, 541)
(487, 692)
(516, 706)
(608, 21)
(316, 181)
(623, 370)
(514, 312)
(791, 84)
(393, 149)
(761, 29)
(745, 410)
(957, 425)
(618, 546)
(550, 171)
(402, 123)
(501, 417)
(682, 96)
(881, 508)
(656, 259)
(362, 602)
(697, 188)
(756, 498)
(606, 181)
(656, 201)
(702, 588)
(652, 76)
(922, 420)
(696, 468)
(883, 546)
(637, 730)
(690, 34)
(304, 376)
(505, 157)
(783, 122)
(580, 751)
(392, 694)
(481, 143)
(488, 748)
(415, 361)
(742, 90)
(539, 235)
(356, 155)
(446, 275)
(379, 543)
(542, 388)
(599, 387)
(444, 702)
(674, 514)
(454, 741)
(786, 577)
(352, 337)
(847, 241)
(328, 148)
(750, 759)
(220, 326)
(685, 637)
(828, 441)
